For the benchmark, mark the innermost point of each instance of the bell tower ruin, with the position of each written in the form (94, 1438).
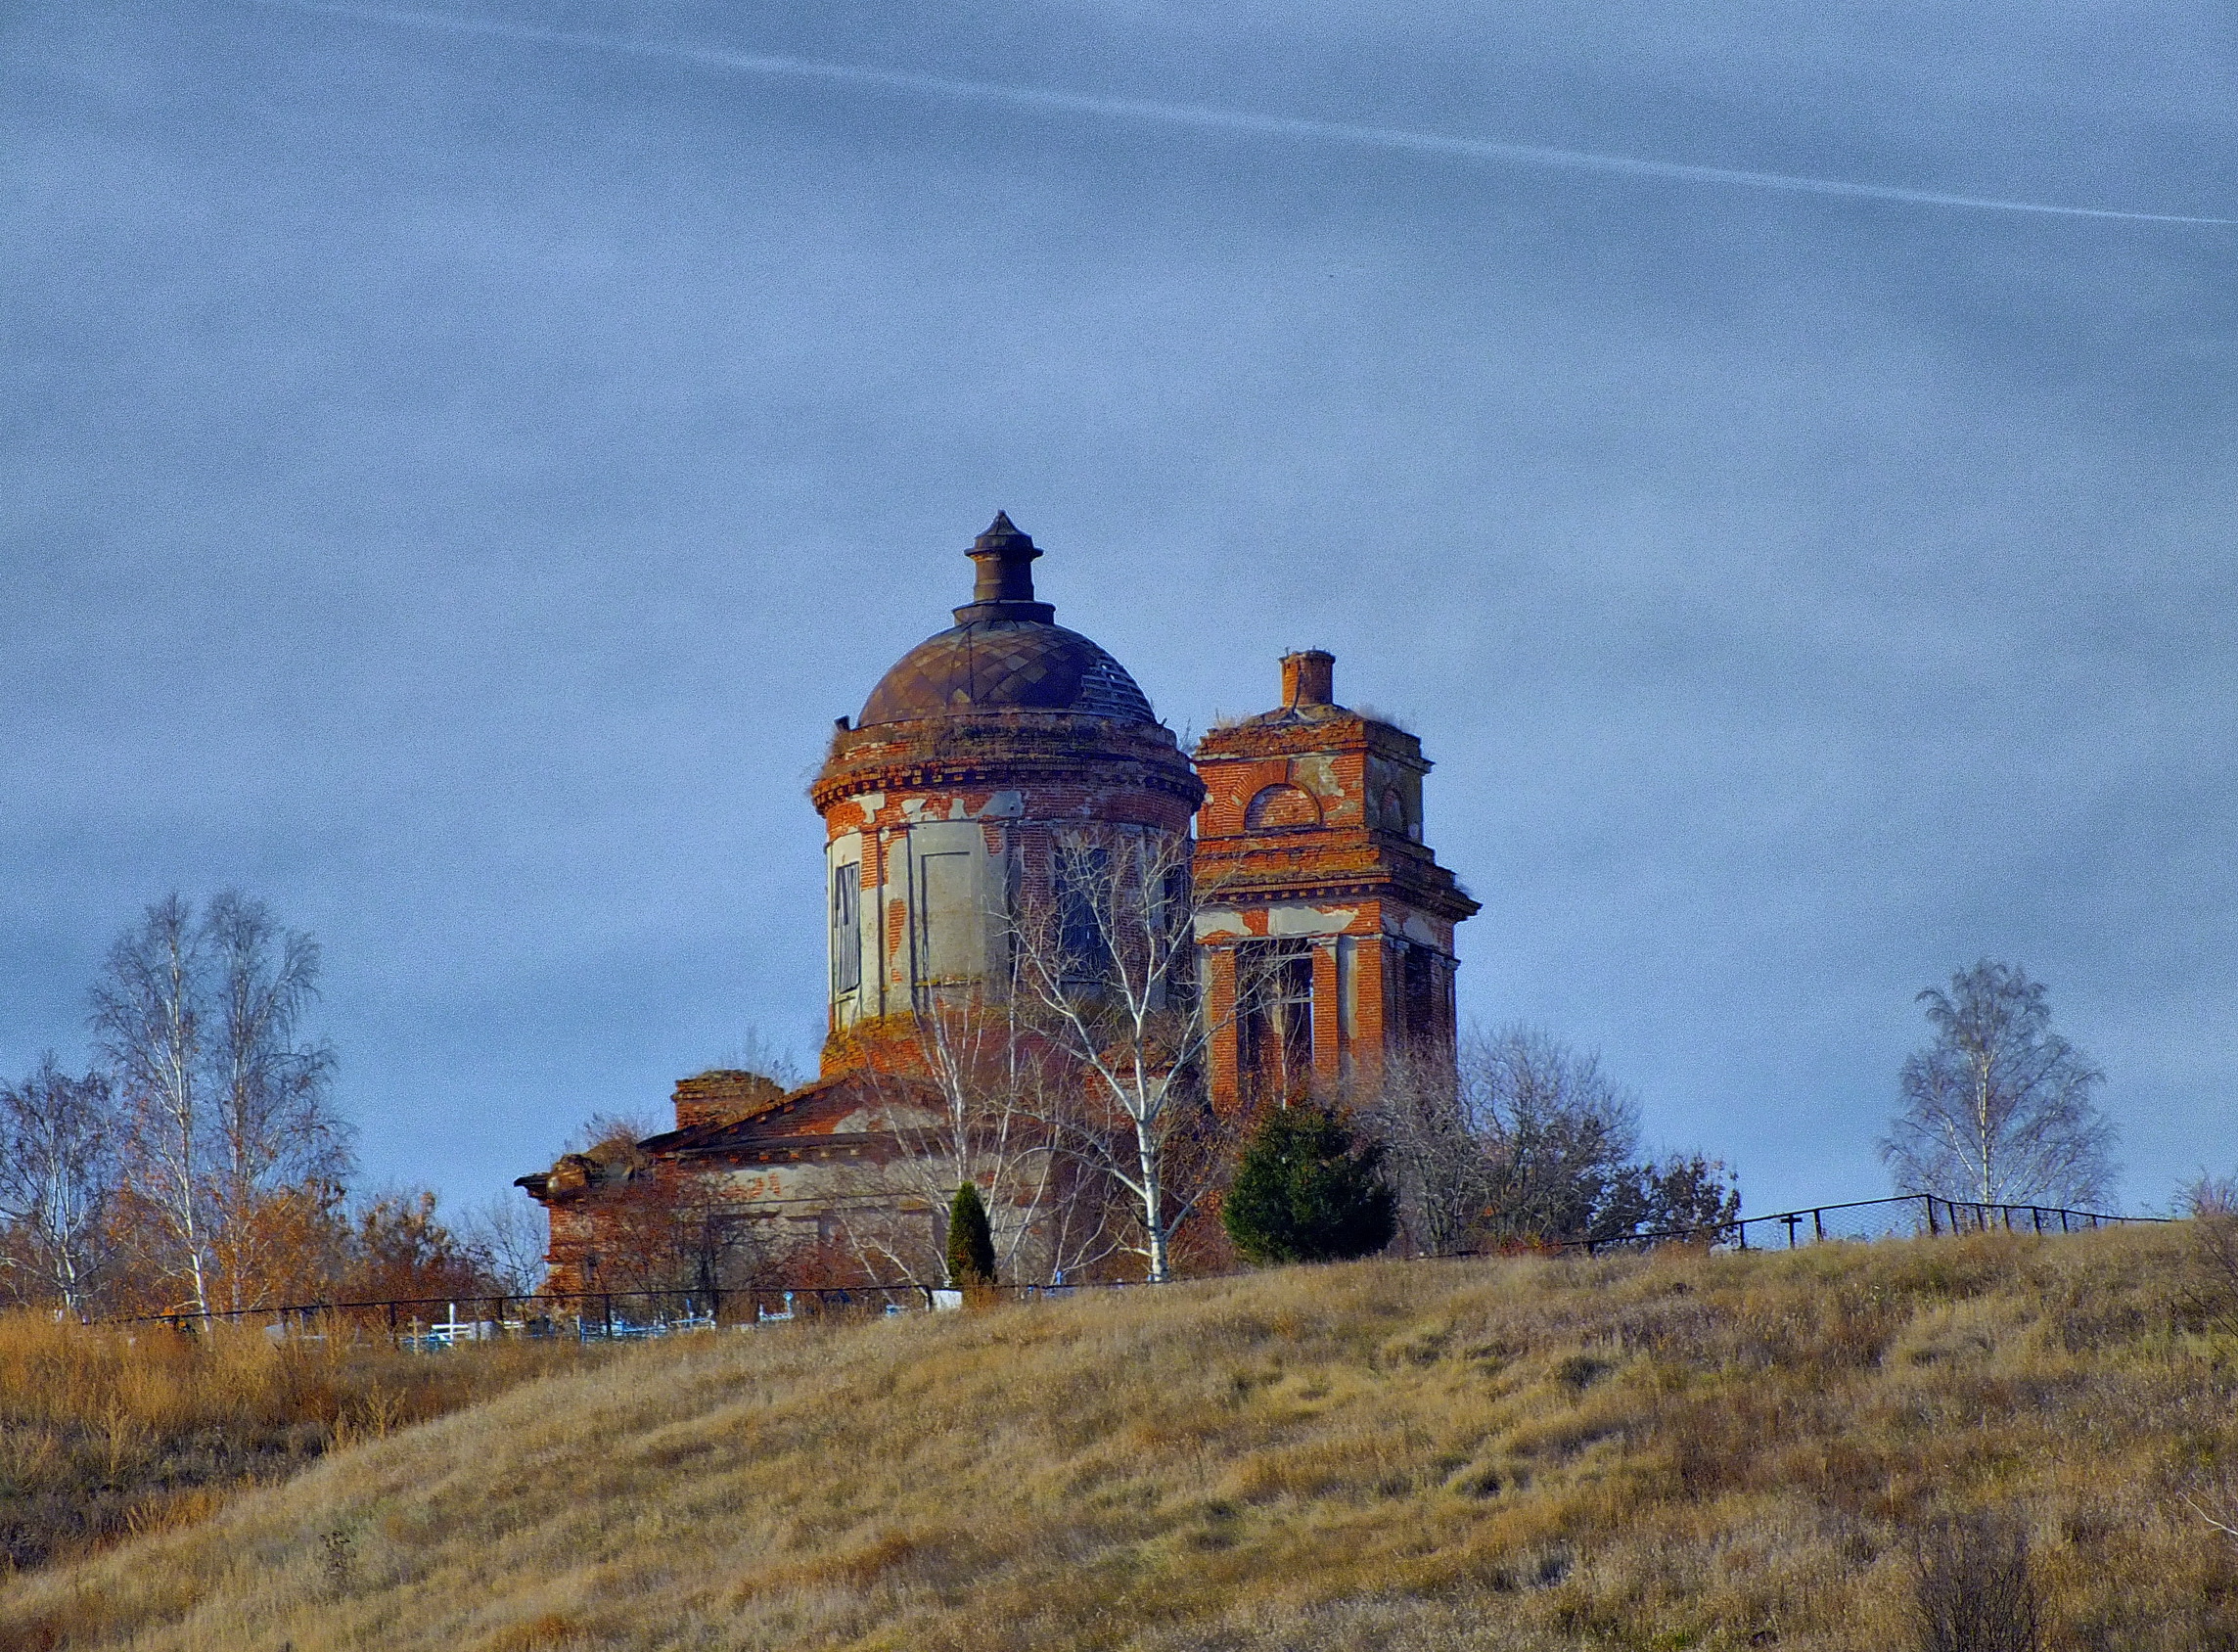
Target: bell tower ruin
(1326, 923)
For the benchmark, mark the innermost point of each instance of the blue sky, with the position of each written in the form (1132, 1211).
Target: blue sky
(450, 478)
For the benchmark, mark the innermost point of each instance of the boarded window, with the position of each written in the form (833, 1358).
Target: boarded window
(846, 928)
(949, 923)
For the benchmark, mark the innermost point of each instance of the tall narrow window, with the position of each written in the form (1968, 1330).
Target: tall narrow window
(1421, 995)
(1275, 1027)
(1177, 937)
(1086, 905)
(846, 928)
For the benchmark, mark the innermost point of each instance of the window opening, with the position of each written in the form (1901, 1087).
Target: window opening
(846, 928)
(1275, 1031)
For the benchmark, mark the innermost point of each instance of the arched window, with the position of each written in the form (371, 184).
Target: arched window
(1278, 808)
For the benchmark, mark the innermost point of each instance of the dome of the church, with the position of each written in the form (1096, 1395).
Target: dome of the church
(1005, 653)
(1006, 664)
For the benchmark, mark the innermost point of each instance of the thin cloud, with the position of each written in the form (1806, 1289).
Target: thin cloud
(1206, 118)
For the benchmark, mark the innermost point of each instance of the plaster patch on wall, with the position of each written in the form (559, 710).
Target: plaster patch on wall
(1210, 924)
(1418, 927)
(1297, 917)
(1317, 773)
(1004, 806)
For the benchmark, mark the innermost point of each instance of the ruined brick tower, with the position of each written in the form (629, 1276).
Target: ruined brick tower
(1322, 909)
(940, 800)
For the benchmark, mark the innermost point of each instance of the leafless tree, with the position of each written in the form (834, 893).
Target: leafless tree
(1434, 1150)
(1973, 1589)
(757, 1052)
(1524, 1138)
(981, 1106)
(2208, 1195)
(275, 1132)
(511, 1234)
(1998, 1107)
(611, 1129)
(1557, 1134)
(231, 1149)
(1103, 962)
(148, 1017)
(58, 1179)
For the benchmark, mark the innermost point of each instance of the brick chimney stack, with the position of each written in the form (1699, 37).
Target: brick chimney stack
(1308, 678)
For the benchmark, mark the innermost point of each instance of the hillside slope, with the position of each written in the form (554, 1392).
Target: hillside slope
(1679, 1451)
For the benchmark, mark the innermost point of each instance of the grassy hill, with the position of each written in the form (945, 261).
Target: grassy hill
(1666, 1452)
(105, 1432)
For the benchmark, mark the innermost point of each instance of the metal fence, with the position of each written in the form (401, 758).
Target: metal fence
(1913, 1216)
(429, 1323)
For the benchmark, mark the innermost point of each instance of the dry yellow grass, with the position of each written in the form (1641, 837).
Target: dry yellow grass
(1671, 1452)
(104, 1431)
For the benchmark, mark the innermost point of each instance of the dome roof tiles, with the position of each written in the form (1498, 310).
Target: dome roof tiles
(1006, 664)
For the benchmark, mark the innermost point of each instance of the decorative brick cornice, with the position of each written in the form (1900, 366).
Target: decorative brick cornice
(1314, 729)
(1004, 751)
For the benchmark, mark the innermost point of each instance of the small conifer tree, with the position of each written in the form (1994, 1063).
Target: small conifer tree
(1304, 1192)
(971, 1241)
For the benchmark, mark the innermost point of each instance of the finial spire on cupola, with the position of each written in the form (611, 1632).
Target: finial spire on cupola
(1003, 588)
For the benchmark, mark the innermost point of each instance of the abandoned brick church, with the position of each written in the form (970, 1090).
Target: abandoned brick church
(972, 757)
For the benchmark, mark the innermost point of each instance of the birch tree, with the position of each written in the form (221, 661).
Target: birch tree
(147, 1011)
(278, 1149)
(1998, 1108)
(58, 1181)
(1104, 961)
(233, 1156)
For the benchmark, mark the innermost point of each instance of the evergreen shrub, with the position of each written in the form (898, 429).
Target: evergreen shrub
(1303, 1191)
(971, 1241)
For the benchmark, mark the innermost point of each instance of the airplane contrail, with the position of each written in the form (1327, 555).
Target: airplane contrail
(1205, 118)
